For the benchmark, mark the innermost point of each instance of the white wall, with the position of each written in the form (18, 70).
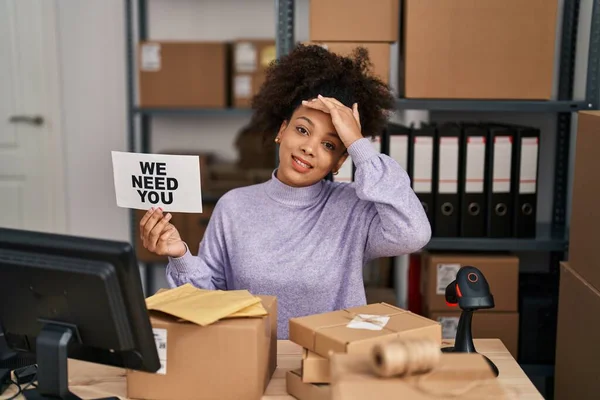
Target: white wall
(93, 61)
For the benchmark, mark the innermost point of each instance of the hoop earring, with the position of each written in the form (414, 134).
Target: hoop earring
(276, 140)
(336, 172)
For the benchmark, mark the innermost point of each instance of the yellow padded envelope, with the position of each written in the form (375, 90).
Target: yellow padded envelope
(204, 307)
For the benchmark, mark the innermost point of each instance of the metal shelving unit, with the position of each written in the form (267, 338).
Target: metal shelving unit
(551, 238)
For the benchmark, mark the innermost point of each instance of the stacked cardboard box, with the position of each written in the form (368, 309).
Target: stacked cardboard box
(577, 346)
(351, 331)
(372, 25)
(502, 274)
(251, 57)
(183, 74)
(494, 49)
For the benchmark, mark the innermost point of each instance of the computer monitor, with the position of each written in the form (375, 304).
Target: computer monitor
(72, 297)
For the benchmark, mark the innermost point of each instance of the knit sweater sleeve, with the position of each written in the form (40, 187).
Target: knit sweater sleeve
(207, 269)
(398, 224)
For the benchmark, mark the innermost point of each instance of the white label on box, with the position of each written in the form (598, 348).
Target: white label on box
(446, 273)
(245, 57)
(151, 59)
(449, 326)
(242, 87)
(160, 338)
(369, 322)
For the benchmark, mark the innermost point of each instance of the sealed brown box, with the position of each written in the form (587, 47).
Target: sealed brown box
(356, 330)
(466, 49)
(354, 20)
(584, 254)
(230, 359)
(438, 270)
(578, 330)
(379, 55)
(183, 74)
(352, 378)
(305, 391)
(485, 325)
(315, 369)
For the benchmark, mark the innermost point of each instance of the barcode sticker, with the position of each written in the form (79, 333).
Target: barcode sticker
(446, 273)
(160, 338)
(449, 326)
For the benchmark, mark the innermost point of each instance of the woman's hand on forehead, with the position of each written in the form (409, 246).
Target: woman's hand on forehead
(345, 120)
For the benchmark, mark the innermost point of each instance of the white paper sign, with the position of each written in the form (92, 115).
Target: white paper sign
(160, 339)
(143, 181)
(369, 322)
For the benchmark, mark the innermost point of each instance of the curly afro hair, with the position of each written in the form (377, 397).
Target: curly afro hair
(310, 70)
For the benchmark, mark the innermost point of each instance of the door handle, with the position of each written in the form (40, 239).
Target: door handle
(30, 119)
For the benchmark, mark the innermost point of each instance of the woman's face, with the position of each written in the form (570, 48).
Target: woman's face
(309, 148)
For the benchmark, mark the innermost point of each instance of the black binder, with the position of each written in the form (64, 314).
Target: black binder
(499, 175)
(526, 160)
(446, 155)
(421, 167)
(472, 183)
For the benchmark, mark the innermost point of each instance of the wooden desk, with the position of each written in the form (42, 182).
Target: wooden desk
(89, 380)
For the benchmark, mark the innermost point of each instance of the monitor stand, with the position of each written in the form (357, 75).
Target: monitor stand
(52, 374)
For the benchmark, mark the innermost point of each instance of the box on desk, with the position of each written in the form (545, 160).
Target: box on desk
(354, 330)
(229, 359)
(305, 391)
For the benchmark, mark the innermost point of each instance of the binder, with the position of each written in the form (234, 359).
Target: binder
(499, 175)
(397, 143)
(421, 168)
(526, 157)
(447, 207)
(472, 184)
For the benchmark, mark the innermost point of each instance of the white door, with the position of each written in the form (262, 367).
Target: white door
(31, 158)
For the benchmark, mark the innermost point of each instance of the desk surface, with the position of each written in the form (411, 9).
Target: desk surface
(94, 381)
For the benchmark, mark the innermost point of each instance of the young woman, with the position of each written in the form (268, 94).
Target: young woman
(298, 236)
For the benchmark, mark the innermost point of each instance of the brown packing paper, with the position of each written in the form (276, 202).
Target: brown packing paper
(204, 307)
(305, 391)
(463, 376)
(343, 331)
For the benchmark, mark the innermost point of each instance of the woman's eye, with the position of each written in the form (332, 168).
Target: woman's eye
(302, 130)
(329, 146)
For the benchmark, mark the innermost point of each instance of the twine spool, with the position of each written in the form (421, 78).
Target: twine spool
(405, 357)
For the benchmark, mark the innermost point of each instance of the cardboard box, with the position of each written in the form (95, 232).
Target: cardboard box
(468, 374)
(578, 330)
(485, 325)
(344, 331)
(465, 49)
(379, 55)
(200, 362)
(315, 369)
(305, 391)
(584, 254)
(354, 20)
(183, 74)
(251, 57)
(438, 270)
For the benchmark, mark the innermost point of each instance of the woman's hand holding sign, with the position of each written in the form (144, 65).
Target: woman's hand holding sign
(159, 236)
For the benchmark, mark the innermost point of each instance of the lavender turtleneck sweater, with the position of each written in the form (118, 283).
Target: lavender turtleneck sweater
(307, 246)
